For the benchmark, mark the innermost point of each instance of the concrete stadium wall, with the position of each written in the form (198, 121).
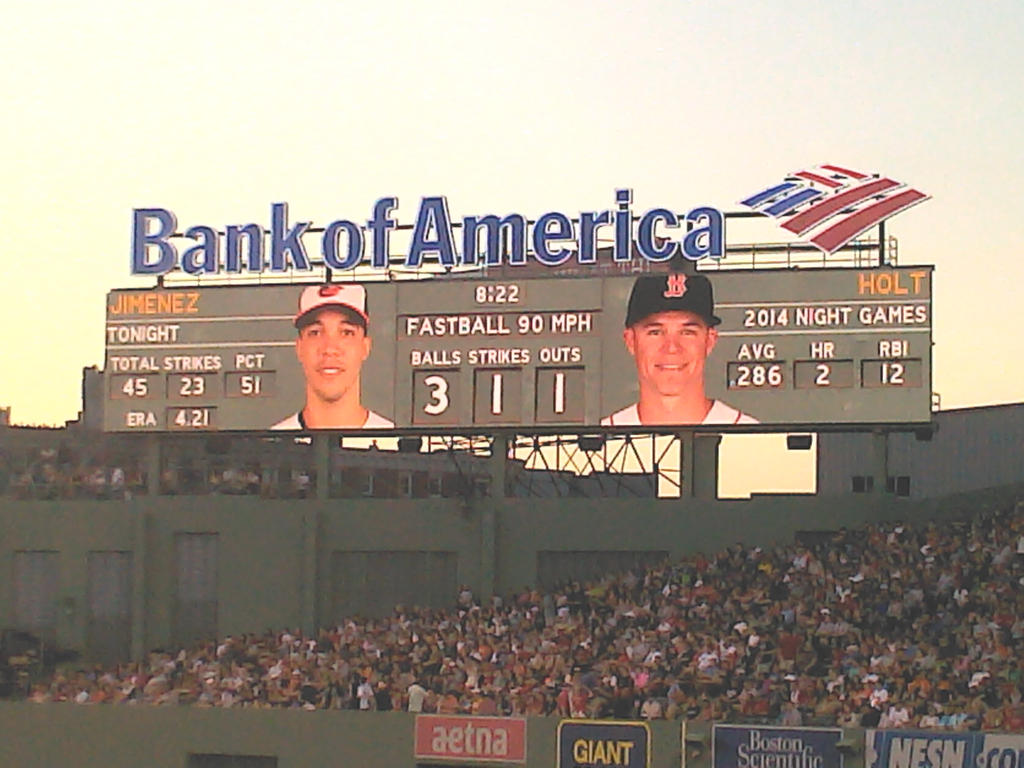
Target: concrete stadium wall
(162, 737)
(970, 449)
(681, 526)
(274, 556)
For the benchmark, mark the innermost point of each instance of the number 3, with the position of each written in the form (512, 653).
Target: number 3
(439, 395)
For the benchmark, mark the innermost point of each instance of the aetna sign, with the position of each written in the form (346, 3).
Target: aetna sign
(472, 739)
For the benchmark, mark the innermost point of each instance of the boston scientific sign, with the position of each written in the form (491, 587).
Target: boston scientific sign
(553, 238)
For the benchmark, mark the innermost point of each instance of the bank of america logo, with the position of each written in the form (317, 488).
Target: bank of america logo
(829, 206)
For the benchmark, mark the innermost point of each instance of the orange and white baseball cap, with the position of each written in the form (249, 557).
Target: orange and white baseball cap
(349, 296)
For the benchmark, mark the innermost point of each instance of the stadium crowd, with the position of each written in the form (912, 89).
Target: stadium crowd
(63, 473)
(886, 626)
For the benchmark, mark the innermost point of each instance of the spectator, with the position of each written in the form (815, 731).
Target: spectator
(791, 716)
(771, 636)
(365, 695)
(417, 696)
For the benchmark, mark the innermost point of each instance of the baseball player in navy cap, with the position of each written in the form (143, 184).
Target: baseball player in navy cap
(670, 331)
(333, 342)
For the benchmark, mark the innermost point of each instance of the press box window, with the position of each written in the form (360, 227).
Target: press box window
(899, 485)
(435, 487)
(863, 484)
(482, 486)
(366, 484)
(230, 761)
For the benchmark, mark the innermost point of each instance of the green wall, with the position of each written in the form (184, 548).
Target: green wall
(106, 736)
(274, 555)
(273, 565)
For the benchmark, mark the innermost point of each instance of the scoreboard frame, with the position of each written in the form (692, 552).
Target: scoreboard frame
(833, 349)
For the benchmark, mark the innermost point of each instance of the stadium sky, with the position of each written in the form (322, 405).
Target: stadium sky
(215, 110)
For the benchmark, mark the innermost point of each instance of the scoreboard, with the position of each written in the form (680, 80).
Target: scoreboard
(795, 347)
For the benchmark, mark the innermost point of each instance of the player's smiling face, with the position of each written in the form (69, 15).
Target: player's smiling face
(670, 349)
(331, 350)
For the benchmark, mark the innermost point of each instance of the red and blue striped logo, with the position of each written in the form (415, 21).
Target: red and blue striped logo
(828, 206)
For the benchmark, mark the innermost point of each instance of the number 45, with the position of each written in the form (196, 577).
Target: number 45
(135, 387)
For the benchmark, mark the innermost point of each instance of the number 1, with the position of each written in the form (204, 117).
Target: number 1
(496, 394)
(559, 392)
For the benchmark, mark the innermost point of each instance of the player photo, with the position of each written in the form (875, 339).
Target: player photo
(671, 329)
(332, 343)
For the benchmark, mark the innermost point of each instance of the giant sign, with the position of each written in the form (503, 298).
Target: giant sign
(717, 350)
(602, 743)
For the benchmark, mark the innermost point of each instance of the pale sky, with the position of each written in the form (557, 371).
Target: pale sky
(216, 110)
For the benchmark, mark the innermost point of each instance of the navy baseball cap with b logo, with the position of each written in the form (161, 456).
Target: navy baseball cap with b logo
(672, 292)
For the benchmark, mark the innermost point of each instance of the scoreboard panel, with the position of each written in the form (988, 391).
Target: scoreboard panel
(795, 347)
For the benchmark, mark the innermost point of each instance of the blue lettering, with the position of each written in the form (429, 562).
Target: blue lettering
(707, 240)
(553, 240)
(552, 226)
(283, 243)
(513, 225)
(1007, 757)
(623, 226)
(142, 238)
(329, 245)
(432, 216)
(253, 234)
(381, 225)
(645, 240)
(589, 222)
(206, 250)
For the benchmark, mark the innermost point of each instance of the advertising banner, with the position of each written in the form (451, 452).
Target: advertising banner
(740, 746)
(716, 350)
(928, 749)
(601, 743)
(454, 738)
